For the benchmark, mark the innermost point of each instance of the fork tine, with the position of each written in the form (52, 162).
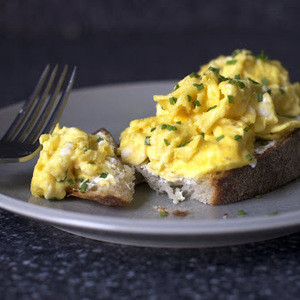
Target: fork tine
(36, 130)
(27, 126)
(24, 111)
(60, 105)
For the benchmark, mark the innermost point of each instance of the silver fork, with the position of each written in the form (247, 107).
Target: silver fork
(39, 115)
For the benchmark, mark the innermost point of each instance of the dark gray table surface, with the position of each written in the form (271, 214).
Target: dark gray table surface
(39, 261)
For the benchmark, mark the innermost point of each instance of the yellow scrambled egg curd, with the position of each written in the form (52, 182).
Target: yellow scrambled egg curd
(212, 118)
(70, 157)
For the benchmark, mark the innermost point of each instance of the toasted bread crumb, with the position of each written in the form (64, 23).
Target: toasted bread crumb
(181, 213)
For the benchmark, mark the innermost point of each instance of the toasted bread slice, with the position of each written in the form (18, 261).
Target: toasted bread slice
(119, 193)
(275, 164)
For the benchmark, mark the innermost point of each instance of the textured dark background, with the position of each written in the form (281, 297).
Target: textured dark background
(117, 41)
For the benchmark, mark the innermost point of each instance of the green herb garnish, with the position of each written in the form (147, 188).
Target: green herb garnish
(241, 212)
(282, 91)
(99, 139)
(168, 127)
(173, 100)
(152, 129)
(237, 76)
(258, 196)
(179, 122)
(231, 62)
(194, 74)
(212, 107)
(246, 129)
(240, 84)
(253, 81)
(166, 142)
(203, 134)
(222, 78)
(264, 81)
(196, 103)
(269, 91)
(238, 137)
(262, 55)
(147, 141)
(84, 186)
(249, 157)
(274, 213)
(235, 53)
(199, 86)
(183, 144)
(220, 137)
(80, 179)
(260, 97)
(70, 181)
(163, 213)
(189, 98)
(230, 99)
(84, 148)
(176, 87)
(91, 163)
(215, 70)
(103, 175)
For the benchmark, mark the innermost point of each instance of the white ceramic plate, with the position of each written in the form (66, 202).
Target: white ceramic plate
(140, 224)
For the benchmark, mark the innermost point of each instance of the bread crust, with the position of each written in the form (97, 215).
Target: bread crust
(275, 167)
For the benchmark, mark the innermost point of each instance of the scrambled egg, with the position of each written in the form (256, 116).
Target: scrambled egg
(212, 118)
(71, 158)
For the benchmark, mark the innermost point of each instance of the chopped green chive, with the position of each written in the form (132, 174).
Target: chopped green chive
(253, 81)
(263, 142)
(103, 175)
(179, 122)
(212, 107)
(173, 100)
(238, 137)
(189, 98)
(246, 129)
(84, 148)
(269, 91)
(274, 213)
(235, 53)
(241, 212)
(91, 163)
(152, 129)
(240, 84)
(220, 137)
(84, 186)
(231, 62)
(249, 157)
(147, 141)
(262, 55)
(194, 74)
(215, 70)
(163, 213)
(282, 91)
(230, 99)
(237, 76)
(183, 144)
(176, 87)
(166, 142)
(264, 81)
(80, 179)
(196, 103)
(260, 97)
(99, 139)
(162, 108)
(203, 134)
(199, 86)
(258, 196)
(222, 78)
(168, 127)
(70, 181)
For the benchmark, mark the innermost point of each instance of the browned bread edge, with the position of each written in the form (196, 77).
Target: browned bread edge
(275, 167)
